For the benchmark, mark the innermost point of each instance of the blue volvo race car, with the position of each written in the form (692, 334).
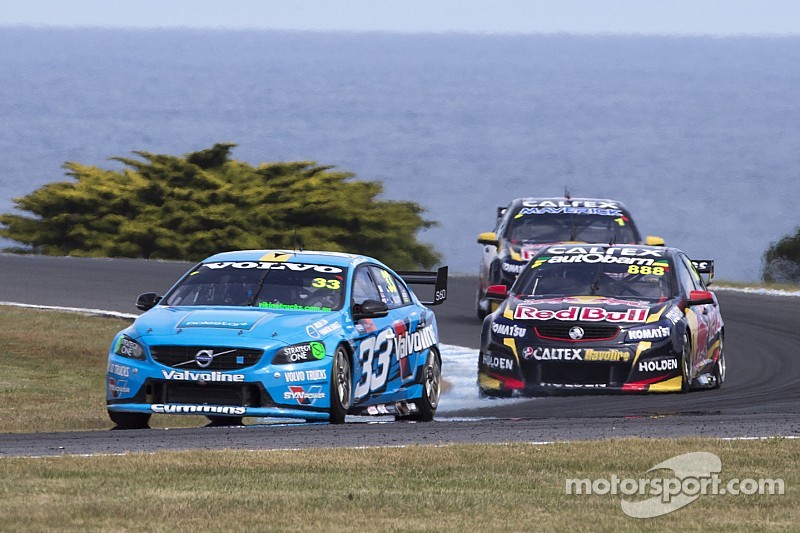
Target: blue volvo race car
(262, 333)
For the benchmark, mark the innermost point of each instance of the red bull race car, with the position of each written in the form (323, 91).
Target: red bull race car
(527, 225)
(604, 317)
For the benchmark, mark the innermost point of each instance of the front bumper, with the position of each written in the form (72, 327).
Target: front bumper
(575, 367)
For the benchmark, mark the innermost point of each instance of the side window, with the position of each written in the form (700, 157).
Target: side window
(698, 281)
(684, 277)
(388, 287)
(364, 287)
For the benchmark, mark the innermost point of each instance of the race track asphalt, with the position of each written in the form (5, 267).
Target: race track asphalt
(760, 398)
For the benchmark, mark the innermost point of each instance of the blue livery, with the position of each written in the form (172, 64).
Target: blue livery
(266, 333)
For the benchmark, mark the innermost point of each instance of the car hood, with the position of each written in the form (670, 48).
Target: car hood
(234, 323)
(585, 309)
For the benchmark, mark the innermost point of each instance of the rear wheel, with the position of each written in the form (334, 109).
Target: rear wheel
(686, 357)
(720, 367)
(341, 386)
(431, 389)
(129, 420)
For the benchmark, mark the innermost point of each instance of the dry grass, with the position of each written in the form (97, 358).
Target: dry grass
(518, 487)
(54, 370)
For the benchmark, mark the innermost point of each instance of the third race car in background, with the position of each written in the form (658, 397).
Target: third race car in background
(602, 317)
(529, 224)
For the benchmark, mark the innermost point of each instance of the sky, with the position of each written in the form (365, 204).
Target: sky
(672, 17)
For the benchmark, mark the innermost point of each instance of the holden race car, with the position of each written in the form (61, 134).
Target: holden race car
(262, 333)
(604, 317)
(527, 225)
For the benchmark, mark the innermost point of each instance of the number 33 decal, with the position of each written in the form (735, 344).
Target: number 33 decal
(369, 380)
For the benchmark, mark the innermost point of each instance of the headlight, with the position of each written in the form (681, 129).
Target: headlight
(127, 347)
(299, 353)
(651, 332)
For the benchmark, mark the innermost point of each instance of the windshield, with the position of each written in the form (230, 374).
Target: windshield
(612, 280)
(293, 286)
(561, 227)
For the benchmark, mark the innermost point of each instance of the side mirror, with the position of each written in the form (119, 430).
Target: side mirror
(700, 298)
(652, 240)
(147, 301)
(370, 309)
(488, 237)
(497, 291)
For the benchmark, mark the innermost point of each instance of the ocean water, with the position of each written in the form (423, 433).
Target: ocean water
(699, 136)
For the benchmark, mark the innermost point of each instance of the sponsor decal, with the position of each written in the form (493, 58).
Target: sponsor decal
(621, 251)
(321, 328)
(509, 330)
(300, 353)
(268, 265)
(512, 268)
(215, 377)
(500, 363)
(292, 307)
(606, 355)
(556, 354)
(120, 370)
(569, 211)
(118, 387)
(303, 396)
(306, 375)
(600, 204)
(600, 258)
(658, 366)
(584, 314)
(215, 324)
(674, 315)
(366, 325)
(407, 343)
(197, 409)
(646, 334)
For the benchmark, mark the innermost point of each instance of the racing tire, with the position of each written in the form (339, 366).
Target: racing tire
(431, 389)
(341, 386)
(721, 366)
(129, 420)
(222, 421)
(686, 355)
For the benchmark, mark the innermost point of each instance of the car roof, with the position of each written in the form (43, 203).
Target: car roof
(318, 257)
(561, 200)
(583, 248)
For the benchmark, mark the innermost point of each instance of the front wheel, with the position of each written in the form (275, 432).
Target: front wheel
(341, 386)
(129, 420)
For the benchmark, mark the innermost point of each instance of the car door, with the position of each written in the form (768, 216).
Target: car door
(373, 342)
(697, 315)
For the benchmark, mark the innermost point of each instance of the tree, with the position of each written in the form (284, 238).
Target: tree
(782, 260)
(185, 208)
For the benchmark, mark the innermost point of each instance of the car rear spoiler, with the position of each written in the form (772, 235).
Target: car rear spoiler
(438, 279)
(704, 266)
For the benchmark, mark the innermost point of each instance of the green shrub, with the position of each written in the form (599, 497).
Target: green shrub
(185, 208)
(782, 260)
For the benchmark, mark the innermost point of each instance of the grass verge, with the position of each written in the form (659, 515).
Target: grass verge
(519, 487)
(54, 370)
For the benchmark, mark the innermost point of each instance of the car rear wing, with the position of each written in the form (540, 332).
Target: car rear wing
(704, 266)
(438, 279)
